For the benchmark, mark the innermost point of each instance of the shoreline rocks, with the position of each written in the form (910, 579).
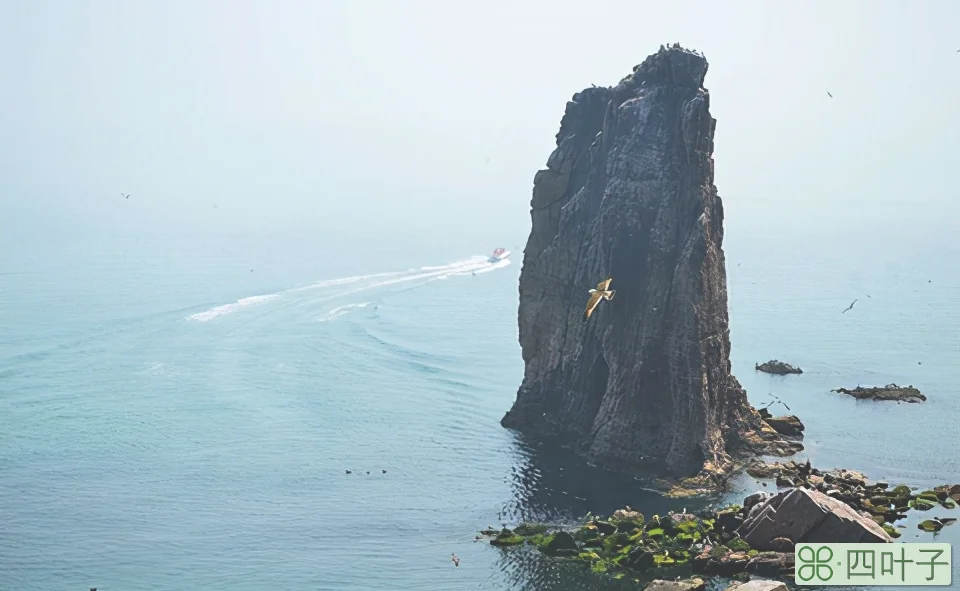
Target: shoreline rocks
(756, 538)
(888, 392)
(777, 367)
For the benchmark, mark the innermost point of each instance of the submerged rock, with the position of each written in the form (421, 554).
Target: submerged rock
(801, 515)
(777, 367)
(888, 392)
(629, 193)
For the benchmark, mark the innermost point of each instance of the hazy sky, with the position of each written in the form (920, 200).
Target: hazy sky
(313, 114)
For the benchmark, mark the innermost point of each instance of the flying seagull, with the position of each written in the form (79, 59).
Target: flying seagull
(125, 195)
(455, 559)
(850, 307)
(829, 95)
(602, 291)
(774, 399)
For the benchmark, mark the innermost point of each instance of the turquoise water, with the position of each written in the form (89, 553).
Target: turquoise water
(162, 430)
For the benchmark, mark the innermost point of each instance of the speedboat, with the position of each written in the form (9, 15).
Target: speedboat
(498, 255)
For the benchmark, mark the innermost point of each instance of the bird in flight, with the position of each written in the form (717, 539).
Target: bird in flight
(125, 195)
(455, 559)
(774, 399)
(850, 307)
(602, 292)
(829, 95)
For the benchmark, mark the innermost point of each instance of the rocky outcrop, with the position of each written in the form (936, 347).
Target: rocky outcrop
(800, 515)
(628, 193)
(789, 425)
(888, 392)
(779, 368)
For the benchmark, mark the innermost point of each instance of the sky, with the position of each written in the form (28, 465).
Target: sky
(433, 116)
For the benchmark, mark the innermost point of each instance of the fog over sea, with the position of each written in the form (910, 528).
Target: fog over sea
(298, 284)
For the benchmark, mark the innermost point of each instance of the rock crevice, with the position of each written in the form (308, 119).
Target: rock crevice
(628, 192)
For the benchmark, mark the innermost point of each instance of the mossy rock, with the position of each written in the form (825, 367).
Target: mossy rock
(540, 540)
(615, 542)
(719, 551)
(592, 543)
(929, 525)
(599, 567)
(507, 540)
(880, 501)
(527, 530)
(891, 531)
(664, 561)
(588, 556)
(948, 503)
(629, 525)
(561, 544)
(929, 495)
(900, 490)
(742, 577)
(689, 527)
(751, 553)
(738, 545)
(655, 533)
(922, 504)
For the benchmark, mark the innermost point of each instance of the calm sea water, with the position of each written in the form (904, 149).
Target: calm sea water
(179, 410)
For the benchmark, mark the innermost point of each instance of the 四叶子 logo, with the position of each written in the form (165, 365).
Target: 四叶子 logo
(873, 564)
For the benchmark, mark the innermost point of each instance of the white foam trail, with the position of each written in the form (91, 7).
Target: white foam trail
(228, 308)
(343, 281)
(492, 267)
(474, 265)
(341, 310)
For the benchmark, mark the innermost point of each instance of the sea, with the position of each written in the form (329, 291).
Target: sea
(197, 409)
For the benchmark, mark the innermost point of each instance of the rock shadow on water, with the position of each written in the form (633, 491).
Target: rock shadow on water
(553, 485)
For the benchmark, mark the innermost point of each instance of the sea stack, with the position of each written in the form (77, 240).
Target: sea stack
(628, 193)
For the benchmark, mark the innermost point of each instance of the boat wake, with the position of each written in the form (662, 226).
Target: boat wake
(343, 286)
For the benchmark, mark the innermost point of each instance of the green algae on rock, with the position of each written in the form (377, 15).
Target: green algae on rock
(709, 542)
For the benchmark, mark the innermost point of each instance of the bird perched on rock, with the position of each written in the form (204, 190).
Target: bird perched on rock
(602, 292)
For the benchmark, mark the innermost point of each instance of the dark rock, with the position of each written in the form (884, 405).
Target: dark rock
(784, 482)
(805, 515)
(639, 559)
(888, 392)
(729, 520)
(628, 193)
(605, 527)
(781, 545)
(727, 565)
(562, 544)
(779, 368)
(685, 585)
(757, 497)
(772, 564)
(786, 425)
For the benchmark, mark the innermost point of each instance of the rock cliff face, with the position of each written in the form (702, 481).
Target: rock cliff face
(628, 193)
